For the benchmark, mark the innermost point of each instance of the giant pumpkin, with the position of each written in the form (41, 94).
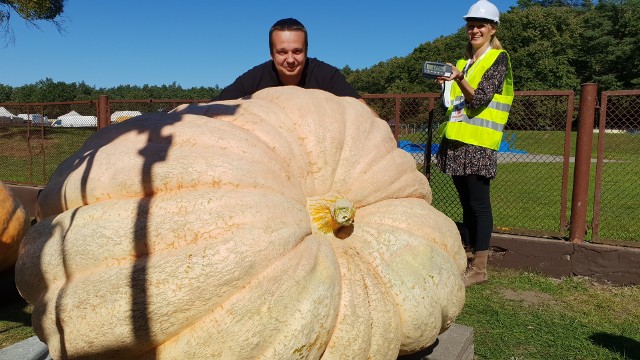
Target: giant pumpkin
(285, 225)
(14, 224)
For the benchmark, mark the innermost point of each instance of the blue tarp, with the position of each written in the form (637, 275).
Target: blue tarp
(413, 148)
(506, 145)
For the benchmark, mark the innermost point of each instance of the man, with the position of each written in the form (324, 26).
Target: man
(289, 65)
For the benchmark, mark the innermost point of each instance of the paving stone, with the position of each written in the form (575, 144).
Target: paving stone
(29, 349)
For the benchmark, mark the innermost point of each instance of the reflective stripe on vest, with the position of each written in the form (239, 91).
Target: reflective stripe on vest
(492, 105)
(483, 126)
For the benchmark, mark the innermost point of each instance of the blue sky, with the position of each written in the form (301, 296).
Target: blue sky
(207, 43)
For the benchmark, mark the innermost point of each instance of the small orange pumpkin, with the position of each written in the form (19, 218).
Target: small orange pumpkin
(14, 224)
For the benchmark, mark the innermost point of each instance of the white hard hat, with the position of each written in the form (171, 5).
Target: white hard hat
(483, 9)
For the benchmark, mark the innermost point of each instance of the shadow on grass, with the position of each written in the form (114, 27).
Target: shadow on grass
(421, 354)
(8, 292)
(627, 348)
(14, 312)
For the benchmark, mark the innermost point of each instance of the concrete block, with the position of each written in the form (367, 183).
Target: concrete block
(454, 344)
(29, 349)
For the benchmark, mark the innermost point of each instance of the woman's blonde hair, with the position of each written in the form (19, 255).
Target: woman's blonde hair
(495, 43)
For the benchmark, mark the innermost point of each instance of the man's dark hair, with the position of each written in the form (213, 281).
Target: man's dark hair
(288, 24)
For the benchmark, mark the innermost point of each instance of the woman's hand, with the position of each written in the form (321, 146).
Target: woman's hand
(455, 74)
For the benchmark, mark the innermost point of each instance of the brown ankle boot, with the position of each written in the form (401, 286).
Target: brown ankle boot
(470, 257)
(477, 272)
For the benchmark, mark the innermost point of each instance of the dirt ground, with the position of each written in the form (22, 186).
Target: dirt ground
(529, 298)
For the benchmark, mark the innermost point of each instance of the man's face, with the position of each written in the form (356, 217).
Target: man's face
(289, 55)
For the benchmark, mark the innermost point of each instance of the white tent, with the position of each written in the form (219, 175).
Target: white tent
(74, 119)
(6, 113)
(70, 114)
(36, 118)
(119, 116)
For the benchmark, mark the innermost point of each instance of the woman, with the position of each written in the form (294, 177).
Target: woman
(478, 95)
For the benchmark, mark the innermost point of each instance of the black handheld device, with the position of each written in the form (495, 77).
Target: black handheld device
(432, 70)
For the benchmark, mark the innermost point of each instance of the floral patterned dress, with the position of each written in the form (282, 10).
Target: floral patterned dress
(459, 159)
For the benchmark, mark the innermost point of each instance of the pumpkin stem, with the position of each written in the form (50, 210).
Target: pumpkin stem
(330, 212)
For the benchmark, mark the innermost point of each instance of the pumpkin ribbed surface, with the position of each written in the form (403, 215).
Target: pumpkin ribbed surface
(14, 224)
(190, 235)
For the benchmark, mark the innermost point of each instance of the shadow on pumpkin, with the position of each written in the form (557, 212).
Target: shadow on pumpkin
(16, 313)
(626, 347)
(343, 232)
(154, 152)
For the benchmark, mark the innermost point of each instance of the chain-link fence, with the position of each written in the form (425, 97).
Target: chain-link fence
(122, 110)
(36, 137)
(616, 214)
(529, 195)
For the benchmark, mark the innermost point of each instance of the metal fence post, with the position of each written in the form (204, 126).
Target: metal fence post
(103, 112)
(586, 115)
(396, 130)
(427, 153)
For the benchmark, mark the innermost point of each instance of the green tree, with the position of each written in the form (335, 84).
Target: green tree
(610, 45)
(404, 75)
(31, 11)
(542, 43)
(84, 92)
(554, 45)
(6, 93)
(25, 93)
(524, 4)
(446, 49)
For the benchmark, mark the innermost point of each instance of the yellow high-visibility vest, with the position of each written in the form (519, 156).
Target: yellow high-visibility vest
(482, 126)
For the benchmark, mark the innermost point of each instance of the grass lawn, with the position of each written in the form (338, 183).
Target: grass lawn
(526, 194)
(32, 157)
(515, 192)
(15, 323)
(519, 315)
(516, 315)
